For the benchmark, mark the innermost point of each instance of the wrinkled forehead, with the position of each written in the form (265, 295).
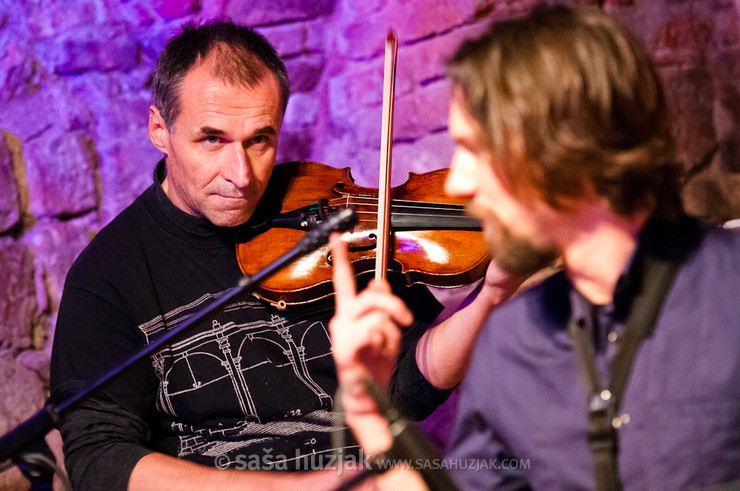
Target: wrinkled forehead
(204, 83)
(222, 67)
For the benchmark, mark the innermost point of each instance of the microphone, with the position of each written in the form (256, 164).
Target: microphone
(315, 237)
(409, 445)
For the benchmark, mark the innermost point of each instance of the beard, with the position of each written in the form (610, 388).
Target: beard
(513, 254)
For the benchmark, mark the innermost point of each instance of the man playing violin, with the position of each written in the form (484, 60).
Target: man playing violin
(250, 390)
(563, 150)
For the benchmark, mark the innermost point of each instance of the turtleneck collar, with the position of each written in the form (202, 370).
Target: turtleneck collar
(187, 226)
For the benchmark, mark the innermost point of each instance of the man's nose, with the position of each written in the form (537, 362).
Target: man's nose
(238, 168)
(461, 179)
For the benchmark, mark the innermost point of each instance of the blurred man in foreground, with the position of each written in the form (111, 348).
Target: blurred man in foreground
(563, 150)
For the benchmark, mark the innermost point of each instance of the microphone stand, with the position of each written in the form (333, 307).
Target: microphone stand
(13, 444)
(409, 445)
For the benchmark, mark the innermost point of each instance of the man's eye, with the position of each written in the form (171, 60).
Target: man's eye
(259, 139)
(212, 140)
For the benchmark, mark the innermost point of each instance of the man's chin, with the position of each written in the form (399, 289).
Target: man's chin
(520, 258)
(228, 220)
(524, 266)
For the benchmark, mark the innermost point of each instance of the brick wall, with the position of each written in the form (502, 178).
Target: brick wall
(74, 99)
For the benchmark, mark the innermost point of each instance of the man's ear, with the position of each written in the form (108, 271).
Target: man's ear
(158, 132)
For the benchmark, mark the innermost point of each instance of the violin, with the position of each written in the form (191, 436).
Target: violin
(413, 229)
(433, 241)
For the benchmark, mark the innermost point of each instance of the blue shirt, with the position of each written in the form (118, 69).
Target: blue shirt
(522, 414)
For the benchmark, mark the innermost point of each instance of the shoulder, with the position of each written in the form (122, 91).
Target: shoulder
(114, 246)
(531, 324)
(719, 240)
(543, 303)
(716, 260)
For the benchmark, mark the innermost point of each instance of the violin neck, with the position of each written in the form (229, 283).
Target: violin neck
(406, 223)
(405, 216)
(431, 216)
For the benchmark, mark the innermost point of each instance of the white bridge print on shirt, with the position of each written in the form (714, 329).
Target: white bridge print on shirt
(254, 375)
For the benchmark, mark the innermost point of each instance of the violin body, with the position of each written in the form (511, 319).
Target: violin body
(432, 241)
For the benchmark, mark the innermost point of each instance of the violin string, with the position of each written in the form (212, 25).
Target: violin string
(401, 205)
(417, 214)
(365, 220)
(431, 216)
(397, 202)
(413, 214)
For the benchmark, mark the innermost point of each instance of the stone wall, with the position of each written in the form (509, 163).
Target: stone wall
(74, 97)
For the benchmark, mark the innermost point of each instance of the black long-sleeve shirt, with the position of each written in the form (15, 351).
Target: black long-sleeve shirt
(250, 384)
